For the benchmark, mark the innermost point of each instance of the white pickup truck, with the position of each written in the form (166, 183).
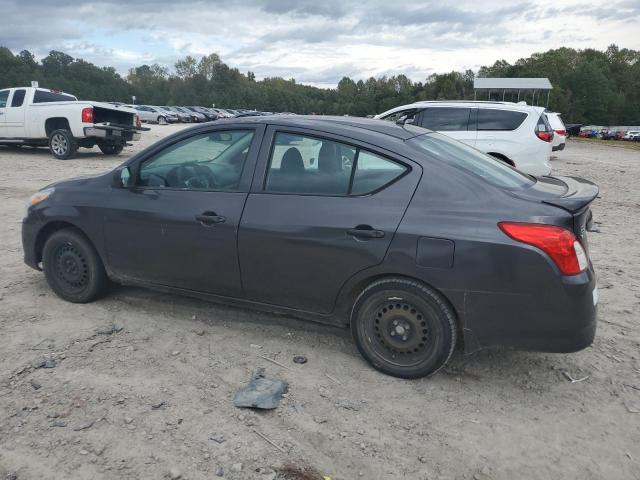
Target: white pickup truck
(41, 117)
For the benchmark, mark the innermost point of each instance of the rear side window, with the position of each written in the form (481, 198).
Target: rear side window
(18, 98)
(45, 96)
(314, 166)
(494, 119)
(443, 119)
(374, 172)
(4, 95)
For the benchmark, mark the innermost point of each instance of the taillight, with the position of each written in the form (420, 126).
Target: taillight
(137, 120)
(559, 243)
(561, 132)
(87, 115)
(544, 135)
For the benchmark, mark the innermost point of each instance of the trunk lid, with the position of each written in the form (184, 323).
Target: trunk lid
(572, 194)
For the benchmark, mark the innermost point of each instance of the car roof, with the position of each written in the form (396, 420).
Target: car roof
(342, 125)
(468, 103)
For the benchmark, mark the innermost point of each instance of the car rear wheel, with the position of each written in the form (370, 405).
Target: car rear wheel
(162, 120)
(72, 267)
(62, 144)
(403, 328)
(110, 148)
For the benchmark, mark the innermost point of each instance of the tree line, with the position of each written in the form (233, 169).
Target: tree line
(589, 86)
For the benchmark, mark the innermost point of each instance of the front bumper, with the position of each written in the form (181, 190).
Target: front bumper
(30, 228)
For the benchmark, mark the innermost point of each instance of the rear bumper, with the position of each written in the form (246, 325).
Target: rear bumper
(562, 319)
(114, 134)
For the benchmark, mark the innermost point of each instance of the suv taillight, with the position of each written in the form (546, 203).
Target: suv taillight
(561, 132)
(138, 122)
(544, 135)
(87, 115)
(559, 243)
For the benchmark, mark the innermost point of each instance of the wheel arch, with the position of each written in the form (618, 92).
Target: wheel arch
(56, 123)
(349, 295)
(53, 227)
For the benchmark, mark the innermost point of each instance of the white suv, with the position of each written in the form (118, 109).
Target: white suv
(517, 134)
(559, 131)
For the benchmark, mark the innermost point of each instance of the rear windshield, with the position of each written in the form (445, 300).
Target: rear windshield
(474, 161)
(44, 96)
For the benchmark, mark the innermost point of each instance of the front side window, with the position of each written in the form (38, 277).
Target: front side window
(394, 117)
(210, 161)
(442, 119)
(18, 98)
(468, 158)
(45, 96)
(495, 119)
(4, 95)
(315, 166)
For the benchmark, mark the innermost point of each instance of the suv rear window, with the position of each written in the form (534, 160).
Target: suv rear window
(45, 96)
(442, 119)
(495, 119)
(473, 161)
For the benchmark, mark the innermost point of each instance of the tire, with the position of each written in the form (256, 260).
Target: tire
(162, 120)
(110, 148)
(62, 145)
(73, 268)
(403, 328)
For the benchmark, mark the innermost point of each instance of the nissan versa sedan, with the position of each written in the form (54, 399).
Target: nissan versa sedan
(412, 239)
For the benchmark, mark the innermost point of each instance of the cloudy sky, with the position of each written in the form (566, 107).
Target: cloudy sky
(316, 41)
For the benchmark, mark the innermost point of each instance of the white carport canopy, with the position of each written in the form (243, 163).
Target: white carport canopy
(513, 85)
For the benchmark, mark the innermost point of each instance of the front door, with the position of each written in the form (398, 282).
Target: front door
(177, 226)
(321, 209)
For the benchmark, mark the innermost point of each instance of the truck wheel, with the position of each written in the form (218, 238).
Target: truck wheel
(110, 148)
(162, 120)
(62, 144)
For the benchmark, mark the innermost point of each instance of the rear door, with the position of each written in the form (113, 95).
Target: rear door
(455, 122)
(322, 208)
(178, 225)
(496, 130)
(4, 98)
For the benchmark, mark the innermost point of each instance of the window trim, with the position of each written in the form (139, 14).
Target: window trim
(322, 136)
(136, 165)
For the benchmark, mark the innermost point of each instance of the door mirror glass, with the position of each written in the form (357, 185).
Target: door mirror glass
(122, 178)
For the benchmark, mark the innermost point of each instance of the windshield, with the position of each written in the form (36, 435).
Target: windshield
(474, 161)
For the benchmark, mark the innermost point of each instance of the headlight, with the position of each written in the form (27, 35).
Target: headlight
(41, 196)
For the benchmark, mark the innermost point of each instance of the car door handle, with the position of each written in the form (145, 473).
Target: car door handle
(365, 232)
(210, 218)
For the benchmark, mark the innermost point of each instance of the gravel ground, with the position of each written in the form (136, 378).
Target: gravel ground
(144, 399)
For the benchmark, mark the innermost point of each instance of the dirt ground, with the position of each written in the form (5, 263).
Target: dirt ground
(140, 381)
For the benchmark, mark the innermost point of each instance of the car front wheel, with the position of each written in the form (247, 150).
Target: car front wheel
(72, 267)
(403, 328)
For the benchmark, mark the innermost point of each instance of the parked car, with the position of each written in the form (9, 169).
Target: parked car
(208, 116)
(519, 135)
(412, 238)
(42, 117)
(588, 133)
(560, 132)
(633, 135)
(151, 114)
(195, 115)
(180, 117)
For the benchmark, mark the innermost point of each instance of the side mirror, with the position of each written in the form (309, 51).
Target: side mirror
(122, 178)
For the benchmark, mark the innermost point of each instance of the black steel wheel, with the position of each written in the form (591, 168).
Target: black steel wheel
(403, 328)
(72, 267)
